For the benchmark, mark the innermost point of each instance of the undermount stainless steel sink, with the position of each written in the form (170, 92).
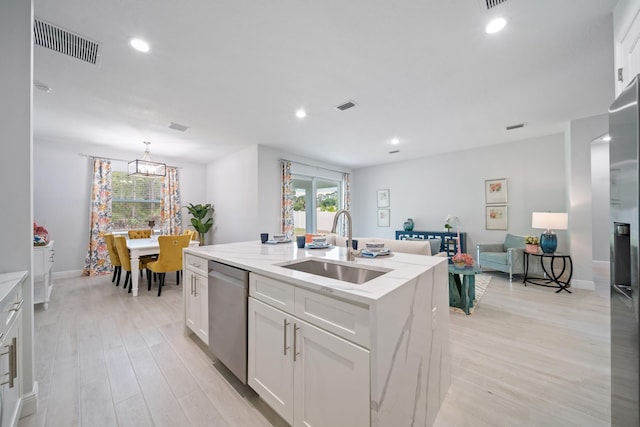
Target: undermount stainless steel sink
(332, 270)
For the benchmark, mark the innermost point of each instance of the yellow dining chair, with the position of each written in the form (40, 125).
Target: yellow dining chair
(139, 234)
(114, 258)
(169, 259)
(192, 233)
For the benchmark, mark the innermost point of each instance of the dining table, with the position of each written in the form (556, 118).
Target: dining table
(141, 247)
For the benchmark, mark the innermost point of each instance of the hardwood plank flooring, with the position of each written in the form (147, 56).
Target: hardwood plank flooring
(526, 357)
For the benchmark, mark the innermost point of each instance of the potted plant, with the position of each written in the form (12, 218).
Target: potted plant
(202, 219)
(531, 244)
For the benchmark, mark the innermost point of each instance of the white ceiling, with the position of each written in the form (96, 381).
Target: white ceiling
(235, 72)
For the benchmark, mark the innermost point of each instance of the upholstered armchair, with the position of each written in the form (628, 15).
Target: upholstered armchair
(507, 256)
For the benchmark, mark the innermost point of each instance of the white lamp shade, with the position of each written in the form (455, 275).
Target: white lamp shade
(550, 220)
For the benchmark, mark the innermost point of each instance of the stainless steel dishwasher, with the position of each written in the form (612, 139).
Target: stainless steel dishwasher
(228, 298)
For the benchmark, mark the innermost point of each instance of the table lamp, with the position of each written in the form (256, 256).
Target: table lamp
(548, 221)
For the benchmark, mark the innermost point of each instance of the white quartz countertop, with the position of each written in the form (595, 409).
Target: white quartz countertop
(8, 281)
(266, 259)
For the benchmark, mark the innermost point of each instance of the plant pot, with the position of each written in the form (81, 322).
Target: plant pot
(531, 249)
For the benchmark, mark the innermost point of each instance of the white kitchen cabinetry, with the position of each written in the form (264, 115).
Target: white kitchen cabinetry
(196, 296)
(310, 376)
(11, 346)
(42, 269)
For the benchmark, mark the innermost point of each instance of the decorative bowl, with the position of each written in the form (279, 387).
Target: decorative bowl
(279, 236)
(319, 240)
(374, 247)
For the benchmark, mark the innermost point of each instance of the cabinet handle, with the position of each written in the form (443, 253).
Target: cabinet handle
(284, 327)
(195, 286)
(295, 342)
(192, 285)
(14, 366)
(12, 361)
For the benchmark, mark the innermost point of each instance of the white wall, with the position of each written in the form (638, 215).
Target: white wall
(427, 189)
(600, 218)
(231, 186)
(62, 194)
(579, 135)
(246, 190)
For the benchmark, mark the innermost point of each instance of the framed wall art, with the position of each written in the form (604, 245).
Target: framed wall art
(496, 217)
(383, 199)
(383, 218)
(495, 191)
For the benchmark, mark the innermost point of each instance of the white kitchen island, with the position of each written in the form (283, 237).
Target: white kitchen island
(325, 352)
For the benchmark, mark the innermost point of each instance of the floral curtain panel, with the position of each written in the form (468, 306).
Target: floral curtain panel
(287, 198)
(97, 260)
(170, 207)
(346, 199)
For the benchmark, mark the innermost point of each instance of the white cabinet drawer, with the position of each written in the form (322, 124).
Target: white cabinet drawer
(197, 264)
(272, 292)
(346, 320)
(10, 306)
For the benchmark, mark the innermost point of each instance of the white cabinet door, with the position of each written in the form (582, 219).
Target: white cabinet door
(192, 312)
(331, 380)
(10, 360)
(202, 296)
(270, 369)
(196, 312)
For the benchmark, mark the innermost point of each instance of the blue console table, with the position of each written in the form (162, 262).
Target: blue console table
(448, 241)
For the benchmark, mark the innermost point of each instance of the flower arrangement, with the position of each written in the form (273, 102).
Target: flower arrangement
(531, 240)
(461, 260)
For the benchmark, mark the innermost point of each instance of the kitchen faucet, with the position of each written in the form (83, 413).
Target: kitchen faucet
(350, 231)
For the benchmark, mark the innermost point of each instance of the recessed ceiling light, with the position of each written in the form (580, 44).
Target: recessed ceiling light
(139, 45)
(395, 141)
(495, 25)
(301, 114)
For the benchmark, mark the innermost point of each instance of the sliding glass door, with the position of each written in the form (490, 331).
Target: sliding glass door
(315, 202)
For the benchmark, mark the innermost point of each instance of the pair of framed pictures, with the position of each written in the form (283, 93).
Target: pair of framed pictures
(383, 208)
(495, 196)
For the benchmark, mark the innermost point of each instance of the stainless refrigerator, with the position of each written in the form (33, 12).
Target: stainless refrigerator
(624, 125)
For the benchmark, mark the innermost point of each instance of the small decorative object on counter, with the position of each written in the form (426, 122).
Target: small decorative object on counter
(408, 224)
(531, 244)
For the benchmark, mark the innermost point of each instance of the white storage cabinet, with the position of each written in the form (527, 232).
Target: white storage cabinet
(196, 296)
(307, 357)
(42, 269)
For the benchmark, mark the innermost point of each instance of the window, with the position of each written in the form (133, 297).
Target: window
(315, 203)
(136, 201)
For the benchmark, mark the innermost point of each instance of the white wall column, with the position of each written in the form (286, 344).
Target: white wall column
(16, 210)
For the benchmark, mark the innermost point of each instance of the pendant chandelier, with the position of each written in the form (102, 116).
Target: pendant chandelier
(145, 167)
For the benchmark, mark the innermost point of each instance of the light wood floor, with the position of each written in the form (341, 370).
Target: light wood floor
(525, 357)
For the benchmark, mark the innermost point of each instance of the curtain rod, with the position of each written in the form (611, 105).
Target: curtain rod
(89, 156)
(316, 166)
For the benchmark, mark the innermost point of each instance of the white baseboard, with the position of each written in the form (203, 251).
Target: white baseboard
(583, 284)
(601, 264)
(30, 402)
(66, 274)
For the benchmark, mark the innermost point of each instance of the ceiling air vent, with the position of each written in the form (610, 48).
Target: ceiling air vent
(346, 105)
(512, 127)
(63, 41)
(492, 3)
(178, 126)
